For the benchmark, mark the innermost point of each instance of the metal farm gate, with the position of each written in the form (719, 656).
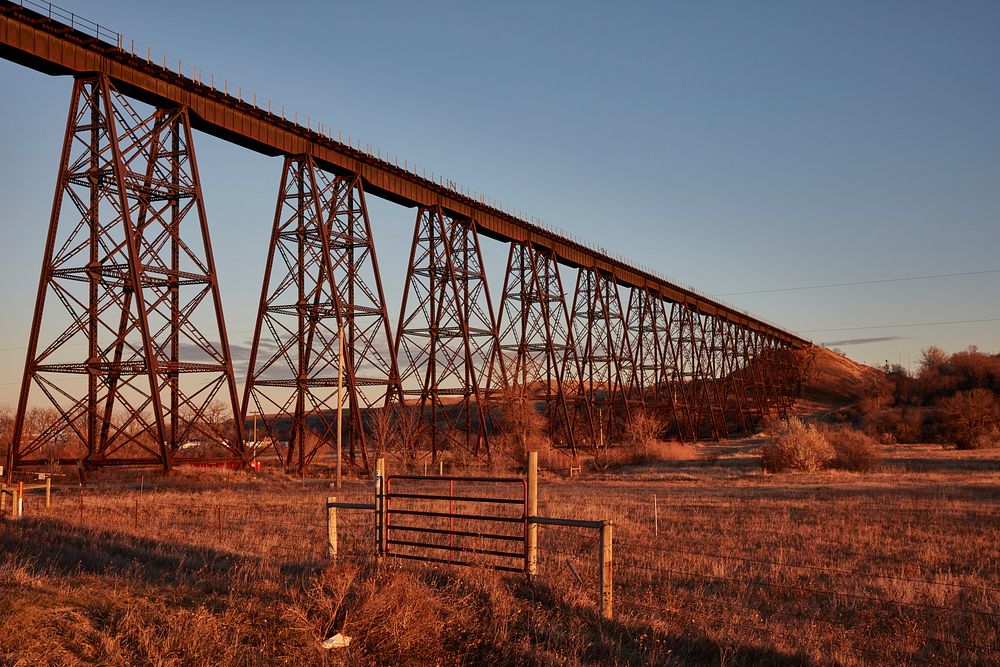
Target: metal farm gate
(476, 521)
(488, 522)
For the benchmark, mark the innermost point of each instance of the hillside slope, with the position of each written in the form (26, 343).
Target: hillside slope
(829, 377)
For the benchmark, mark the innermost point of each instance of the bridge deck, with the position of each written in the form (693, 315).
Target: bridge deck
(46, 45)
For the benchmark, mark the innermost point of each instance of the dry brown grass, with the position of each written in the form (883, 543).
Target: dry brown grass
(628, 458)
(832, 378)
(209, 568)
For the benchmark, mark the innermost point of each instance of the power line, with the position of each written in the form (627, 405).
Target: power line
(862, 282)
(900, 326)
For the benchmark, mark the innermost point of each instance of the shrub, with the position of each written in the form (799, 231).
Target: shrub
(797, 446)
(643, 429)
(523, 425)
(854, 450)
(988, 439)
(969, 415)
(399, 429)
(975, 370)
(902, 424)
(615, 458)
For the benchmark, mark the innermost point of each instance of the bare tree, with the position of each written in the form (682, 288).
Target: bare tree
(382, 430)
(968, 415)
(643, 429)
(522, 421)
(411, 431)
(932, 359)
(6, 430)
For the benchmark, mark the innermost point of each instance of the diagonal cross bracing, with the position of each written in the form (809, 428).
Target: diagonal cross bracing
(536, 340)
(127, 300)
(322, 335)
(447, 338)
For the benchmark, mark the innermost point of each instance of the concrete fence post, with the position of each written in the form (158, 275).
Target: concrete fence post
(17, 501)
(331, 527)
(531, 545)
(607, 570)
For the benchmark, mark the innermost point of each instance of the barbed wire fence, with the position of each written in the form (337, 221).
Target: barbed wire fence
(659, 580)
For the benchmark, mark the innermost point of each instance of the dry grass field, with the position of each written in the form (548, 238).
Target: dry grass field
(894, 566)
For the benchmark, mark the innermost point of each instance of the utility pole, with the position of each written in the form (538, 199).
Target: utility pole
(340, 397)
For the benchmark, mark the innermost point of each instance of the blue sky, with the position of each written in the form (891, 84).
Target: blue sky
(733, 146)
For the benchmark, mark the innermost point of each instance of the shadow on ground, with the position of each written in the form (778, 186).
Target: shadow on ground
(52, 547)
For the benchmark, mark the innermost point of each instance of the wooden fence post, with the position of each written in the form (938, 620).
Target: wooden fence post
(531, 545)
(377, 514)
(3, 498)
(48, 492)
(383, 508)
(607, 586)
(331, 527)
(380, 507)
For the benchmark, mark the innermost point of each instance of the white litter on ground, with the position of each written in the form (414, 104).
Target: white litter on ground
(337, 641)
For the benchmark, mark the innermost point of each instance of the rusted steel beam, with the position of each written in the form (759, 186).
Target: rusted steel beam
(757, 392)
(699, 374)
(51, 47)
(677, 362)
(734, 388)
(605, 357)
(368, 341)
(656, 337)
(635, 346)
(447, 338)
(321, 278)
(127, 273)
(536, 340)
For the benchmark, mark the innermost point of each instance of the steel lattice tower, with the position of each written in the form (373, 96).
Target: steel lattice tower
(604, 352)
(123, 353)
(535, 338)
(321, 279)
(447, 336)
(655, 364)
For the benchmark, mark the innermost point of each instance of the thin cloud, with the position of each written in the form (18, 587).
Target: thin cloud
(862, 341)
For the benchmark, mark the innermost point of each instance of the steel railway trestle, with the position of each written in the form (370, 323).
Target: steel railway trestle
(128, 274)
